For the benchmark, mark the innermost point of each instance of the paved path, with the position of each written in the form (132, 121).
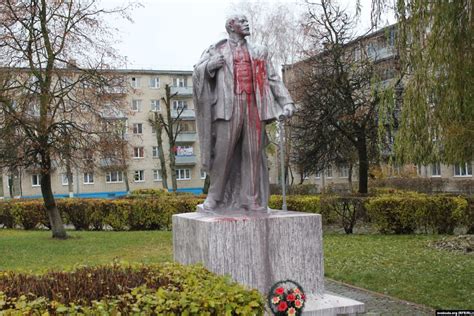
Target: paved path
(375, 303)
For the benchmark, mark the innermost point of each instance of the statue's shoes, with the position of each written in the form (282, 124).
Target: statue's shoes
(209, 204)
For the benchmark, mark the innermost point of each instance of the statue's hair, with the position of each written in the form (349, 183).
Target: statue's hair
(230, 20)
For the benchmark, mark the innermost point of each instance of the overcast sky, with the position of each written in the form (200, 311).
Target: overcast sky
(172, 34)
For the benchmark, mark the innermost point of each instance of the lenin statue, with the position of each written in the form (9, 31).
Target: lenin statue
(236, 93)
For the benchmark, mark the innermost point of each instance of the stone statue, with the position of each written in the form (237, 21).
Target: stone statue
(236, 93)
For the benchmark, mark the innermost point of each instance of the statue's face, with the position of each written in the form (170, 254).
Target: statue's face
(241, 26)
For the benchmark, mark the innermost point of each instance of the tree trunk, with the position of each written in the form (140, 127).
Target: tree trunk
(172, 154)
(125, 179)
(57, 226)
(161, 153)
(207, 184)
(171, 137)
(349, 179)
(69, 178)
(363, 163)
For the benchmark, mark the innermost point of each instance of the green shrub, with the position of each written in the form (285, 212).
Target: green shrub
(444, 213)
(468, 219)
(167, 288)
(395, 213)
(6, 217)
(346, 210)
(29, 214)
(405, 212)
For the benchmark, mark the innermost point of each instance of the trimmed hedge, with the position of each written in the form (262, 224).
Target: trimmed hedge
(391, 211)
(405, 213)
(168, 288)
(122, 214)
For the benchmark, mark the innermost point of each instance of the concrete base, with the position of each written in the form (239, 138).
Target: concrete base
(330, 304)
(259, 250)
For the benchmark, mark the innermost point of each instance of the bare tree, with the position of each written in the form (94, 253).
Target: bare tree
(156, 121)
(276, 26)
(338, 93)
(55, 83)
(172, 126)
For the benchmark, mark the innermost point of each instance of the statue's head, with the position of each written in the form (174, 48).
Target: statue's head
(238, 24)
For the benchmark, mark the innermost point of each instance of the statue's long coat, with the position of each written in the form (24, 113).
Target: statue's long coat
(214, 92)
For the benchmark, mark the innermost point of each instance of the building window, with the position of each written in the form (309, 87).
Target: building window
(138, 152)
(139, 176)
(463, 170)
(179, 82)
(64, 179)
(155, 105)
(36, 180)
(187, 126)
(153, 129)
(183, 174)
(137, 105)
(318, 175)
(329, 172)
(154, 82)
(184, 151)
(135, 82)
(137, 128)
(203, 174)
(436, 169)
(157, 175)
(88, 178)
(155, 151)
(180, 105)
(114, 177)
(344, 171)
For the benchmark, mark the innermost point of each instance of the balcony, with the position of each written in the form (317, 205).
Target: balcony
(110, 163)
(185, 114)
(186, 160)
(186, 137)
(182, 91)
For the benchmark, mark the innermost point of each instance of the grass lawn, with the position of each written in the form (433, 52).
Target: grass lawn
(36, 251)
(401, 266)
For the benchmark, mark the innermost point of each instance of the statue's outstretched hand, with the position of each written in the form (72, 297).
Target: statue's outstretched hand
(215, 62)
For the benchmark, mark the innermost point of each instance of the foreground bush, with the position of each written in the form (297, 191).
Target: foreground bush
(145, 290)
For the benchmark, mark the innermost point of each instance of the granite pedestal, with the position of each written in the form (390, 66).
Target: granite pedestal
(259, 250)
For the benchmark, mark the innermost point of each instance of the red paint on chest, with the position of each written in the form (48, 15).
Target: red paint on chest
(260, 71)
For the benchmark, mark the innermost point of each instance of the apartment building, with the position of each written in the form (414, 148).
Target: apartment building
(380, 47)
(144, 171)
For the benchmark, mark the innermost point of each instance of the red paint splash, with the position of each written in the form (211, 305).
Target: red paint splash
(260, 71)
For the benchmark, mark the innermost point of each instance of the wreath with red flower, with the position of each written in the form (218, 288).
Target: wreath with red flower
(286, 298)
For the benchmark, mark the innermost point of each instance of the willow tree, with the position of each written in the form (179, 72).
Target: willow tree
(436, 45)
(54, 56)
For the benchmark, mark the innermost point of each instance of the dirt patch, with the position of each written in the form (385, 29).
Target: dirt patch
(464, 243)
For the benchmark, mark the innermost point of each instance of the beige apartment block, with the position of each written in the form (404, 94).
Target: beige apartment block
(147, 88)
(380, 47)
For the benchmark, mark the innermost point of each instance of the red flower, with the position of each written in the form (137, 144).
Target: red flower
(279, 291)
(303, 297)
(291, 297)
(282, 306)
(298, 304)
